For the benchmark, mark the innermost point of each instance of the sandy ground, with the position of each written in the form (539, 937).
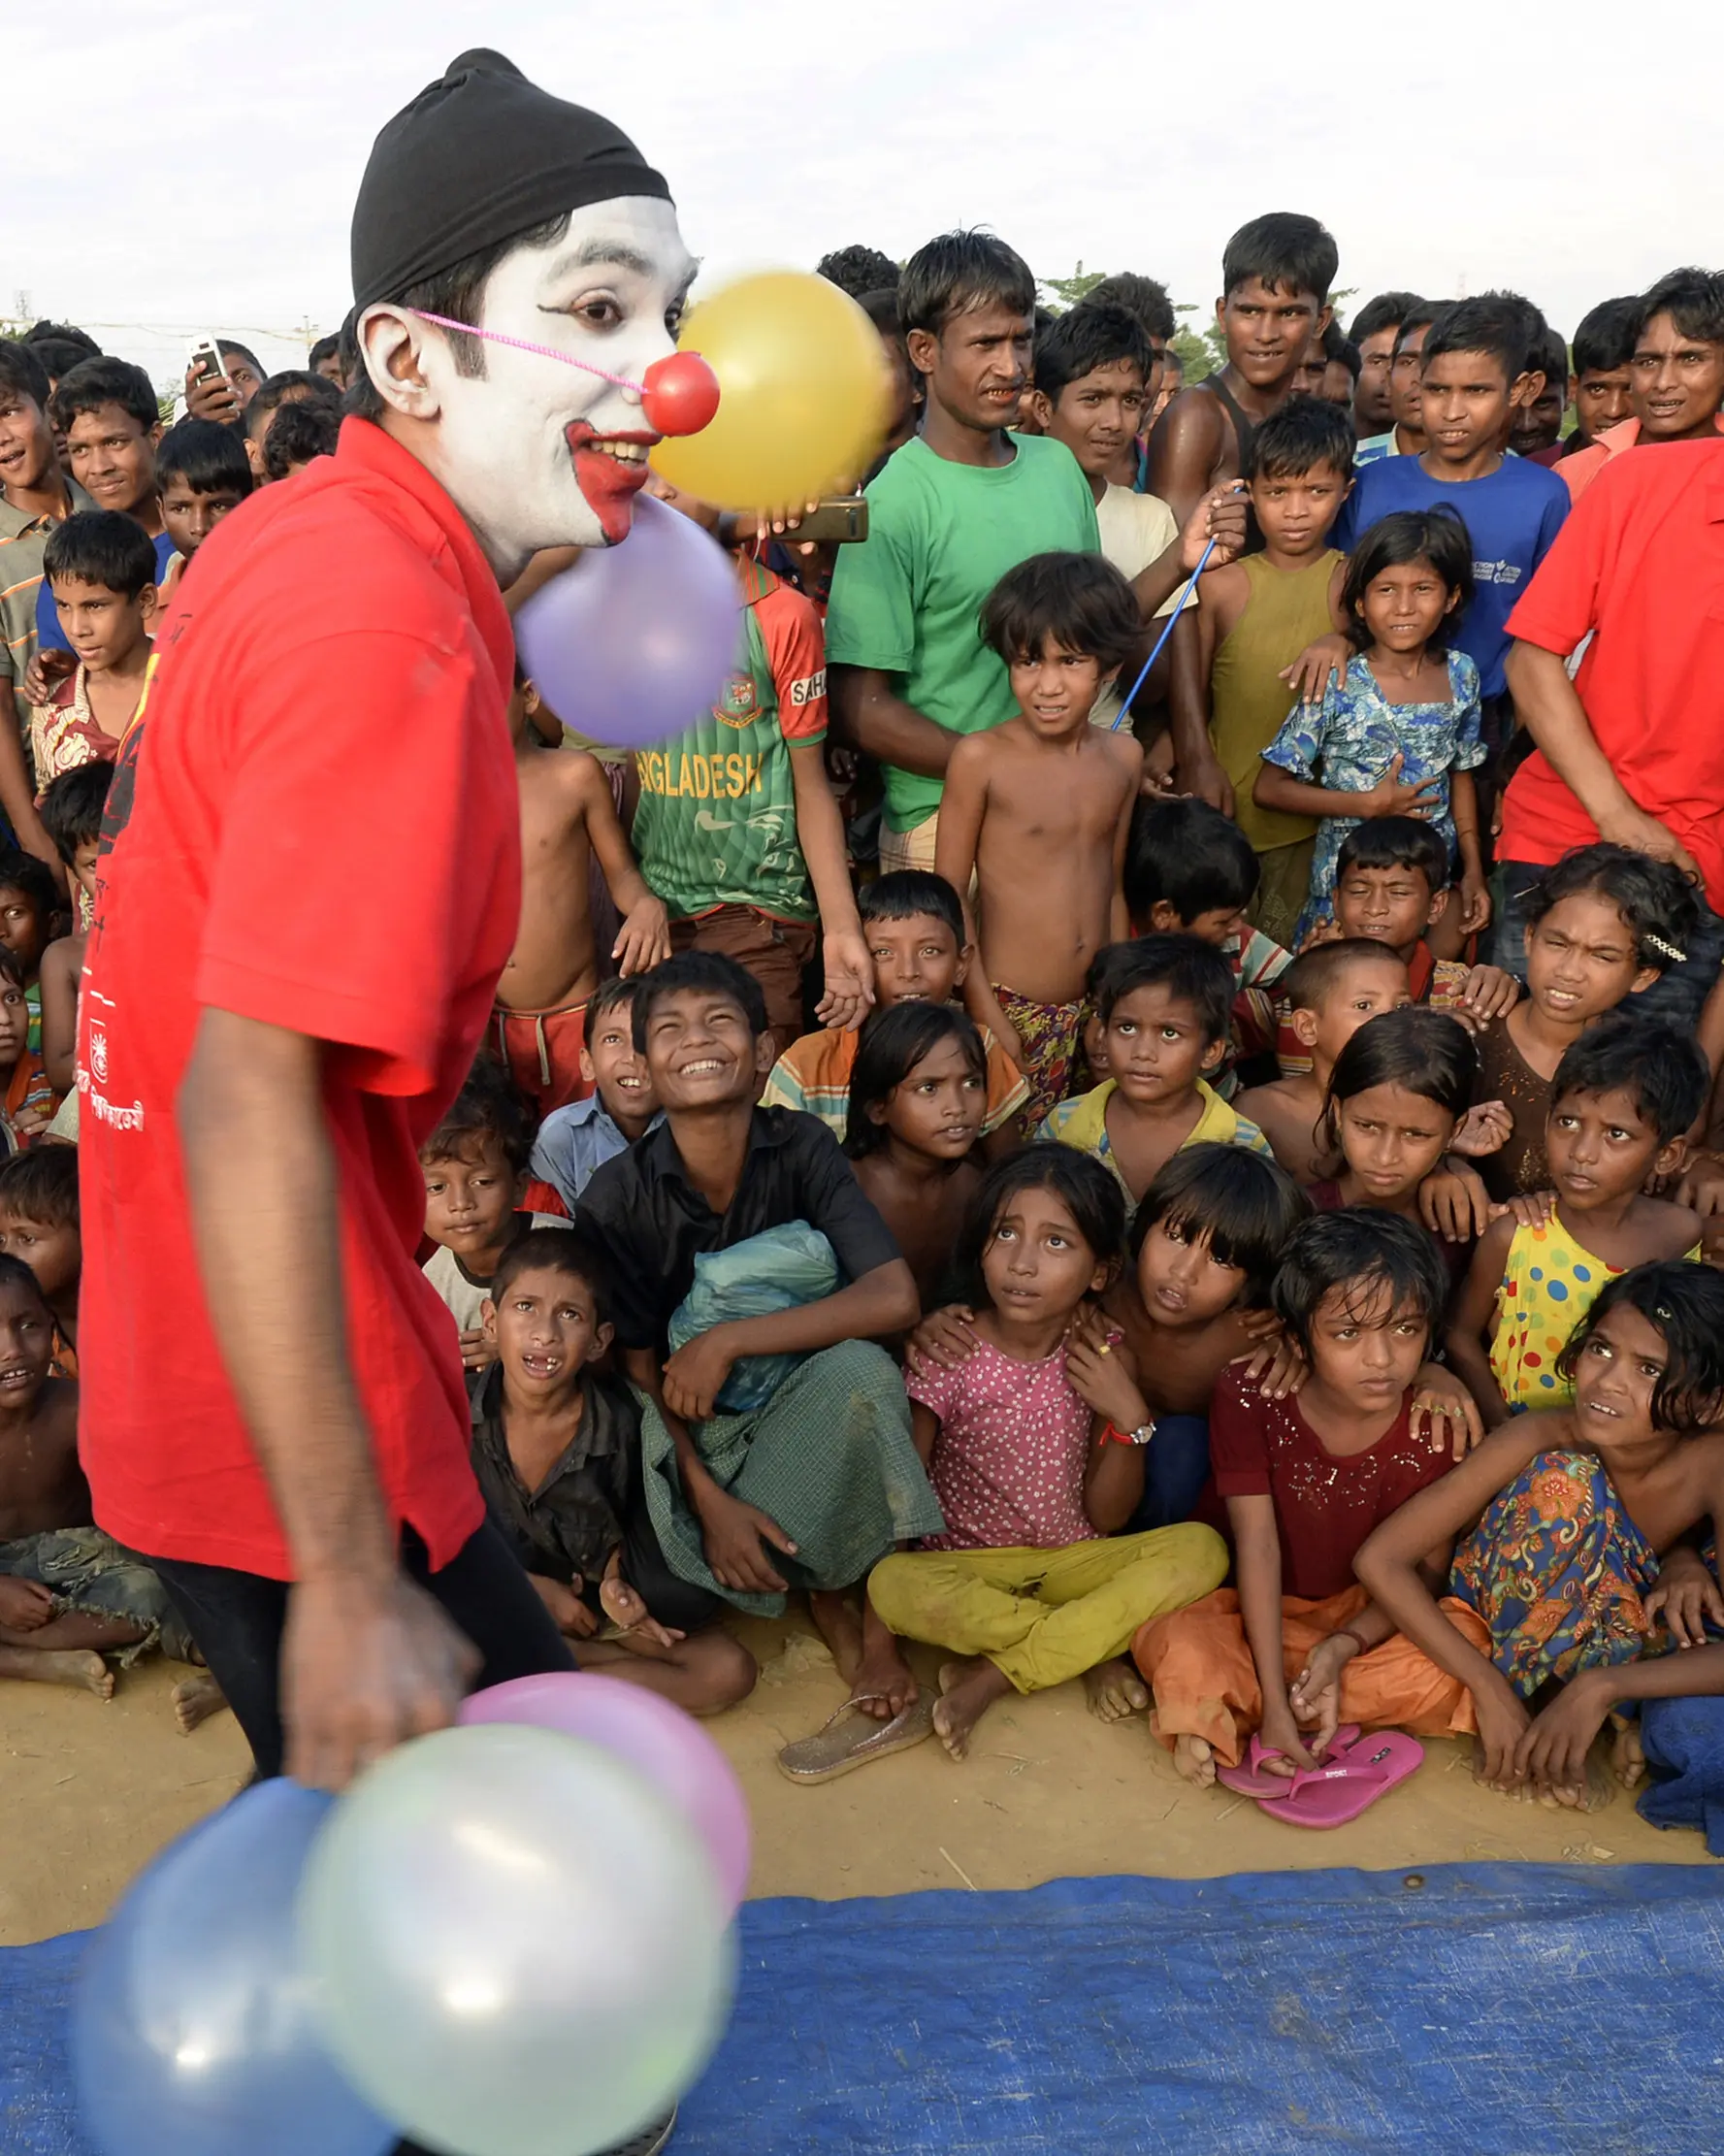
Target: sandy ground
(91, 1791)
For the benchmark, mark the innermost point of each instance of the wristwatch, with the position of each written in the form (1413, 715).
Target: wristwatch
(1139, 1436)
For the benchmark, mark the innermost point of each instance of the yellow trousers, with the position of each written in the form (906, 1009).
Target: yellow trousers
(1042, 1616)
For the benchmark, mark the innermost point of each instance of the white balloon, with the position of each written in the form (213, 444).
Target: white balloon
(520, 1945)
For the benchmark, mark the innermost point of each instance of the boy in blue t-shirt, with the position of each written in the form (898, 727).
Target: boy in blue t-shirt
(1475, 377)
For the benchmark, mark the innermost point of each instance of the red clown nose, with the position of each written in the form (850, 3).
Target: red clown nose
(680, 394)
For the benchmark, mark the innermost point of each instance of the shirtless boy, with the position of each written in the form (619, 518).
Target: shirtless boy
(1330, 993)
(1039, 809)
(50, 1552)
(1276, 275)
(567, 818)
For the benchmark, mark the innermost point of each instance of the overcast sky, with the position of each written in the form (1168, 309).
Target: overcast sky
(183, 168)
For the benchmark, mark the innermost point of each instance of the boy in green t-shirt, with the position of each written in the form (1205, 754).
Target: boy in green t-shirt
(952, 510)
(739, 831)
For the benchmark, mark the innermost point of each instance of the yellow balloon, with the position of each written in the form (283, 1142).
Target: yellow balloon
(805, 394)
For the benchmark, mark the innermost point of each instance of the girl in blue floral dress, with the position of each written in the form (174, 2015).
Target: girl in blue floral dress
(1399, 734)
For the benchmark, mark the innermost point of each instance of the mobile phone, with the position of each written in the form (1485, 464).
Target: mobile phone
(205, 360)
(836, 522)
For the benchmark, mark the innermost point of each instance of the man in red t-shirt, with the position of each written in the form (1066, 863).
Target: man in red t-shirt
(1632, 749)
(273, 1409)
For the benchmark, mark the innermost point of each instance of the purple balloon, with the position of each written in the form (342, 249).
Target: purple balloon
(634, 641)
(669, 1748)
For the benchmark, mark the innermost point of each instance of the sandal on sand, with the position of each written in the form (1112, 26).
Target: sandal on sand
(837, 1751)
(1333, 1794)
(1250, 1779)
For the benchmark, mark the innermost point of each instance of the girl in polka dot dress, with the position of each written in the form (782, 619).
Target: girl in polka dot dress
(1622, 1098)
(1033, 1442)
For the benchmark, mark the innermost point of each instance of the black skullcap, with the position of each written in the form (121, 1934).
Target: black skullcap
(476, 159)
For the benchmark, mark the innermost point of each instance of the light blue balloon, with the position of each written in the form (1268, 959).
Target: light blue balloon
(193, 2033)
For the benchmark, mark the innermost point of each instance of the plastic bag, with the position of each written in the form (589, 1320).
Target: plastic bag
(781, 1268)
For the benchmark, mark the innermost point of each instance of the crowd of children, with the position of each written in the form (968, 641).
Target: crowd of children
(1077, 1158)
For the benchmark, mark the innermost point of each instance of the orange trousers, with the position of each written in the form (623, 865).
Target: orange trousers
(1198, 1663)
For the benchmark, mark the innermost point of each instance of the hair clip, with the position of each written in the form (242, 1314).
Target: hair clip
(1666, 948)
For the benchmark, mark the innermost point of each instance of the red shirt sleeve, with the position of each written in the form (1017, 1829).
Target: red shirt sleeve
(357, 849)
(1561, 603)
(796, 653)
(1238, 1444)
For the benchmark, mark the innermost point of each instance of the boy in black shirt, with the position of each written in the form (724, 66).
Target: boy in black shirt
(556, 1448)
(812, 1488)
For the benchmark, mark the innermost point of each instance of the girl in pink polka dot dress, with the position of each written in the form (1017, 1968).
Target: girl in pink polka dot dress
(1033, 1444)
(1622, 1098)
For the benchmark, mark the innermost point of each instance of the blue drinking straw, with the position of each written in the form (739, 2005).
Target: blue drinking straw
(1126, 702)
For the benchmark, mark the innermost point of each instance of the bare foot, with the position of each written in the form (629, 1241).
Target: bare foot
(72, 1666)
(1599, 1789)
(967, 1689)
(868, 1653)
(195, 1700)
(1195, 1759)
(837, 1617)
(1628, 1762)
(1114, 1690)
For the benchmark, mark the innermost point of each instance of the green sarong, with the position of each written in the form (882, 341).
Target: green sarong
(830, 1457)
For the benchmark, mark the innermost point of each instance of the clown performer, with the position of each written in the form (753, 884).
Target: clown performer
(313, 885)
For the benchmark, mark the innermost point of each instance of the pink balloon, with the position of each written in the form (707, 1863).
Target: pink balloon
(670, 1749)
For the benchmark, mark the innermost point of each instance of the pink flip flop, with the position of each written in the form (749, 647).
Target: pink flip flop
(1249, 1780)
(1331, 1795)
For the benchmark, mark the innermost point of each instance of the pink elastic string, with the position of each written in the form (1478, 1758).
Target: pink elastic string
(520, 343)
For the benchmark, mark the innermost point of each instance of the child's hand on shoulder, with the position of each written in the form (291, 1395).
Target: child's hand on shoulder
(1485, 1128)
(1489, 993)
(1444, 1411)
(1316, 667)
(1453, 1202)
(478, 1350)
(1686, 1597)
(1103, 1373)
(1702, 1184)
(1274, 1366)
(644, 938)
(1526, 1208)
(849, 974)
(942, 1340)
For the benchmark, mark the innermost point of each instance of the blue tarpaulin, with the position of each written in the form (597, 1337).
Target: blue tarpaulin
(1471, 2010)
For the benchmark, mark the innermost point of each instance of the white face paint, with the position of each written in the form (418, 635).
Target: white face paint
(537, 453)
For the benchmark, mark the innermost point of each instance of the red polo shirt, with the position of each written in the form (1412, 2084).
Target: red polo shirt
(1641, 562)
(317, 828)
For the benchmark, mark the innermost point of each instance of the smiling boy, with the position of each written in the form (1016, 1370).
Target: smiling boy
(956, 508)
(576, 1141)
(920, 950)
(812, 1488)
(1676, 374)
(106, 410)
(1276, 274)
